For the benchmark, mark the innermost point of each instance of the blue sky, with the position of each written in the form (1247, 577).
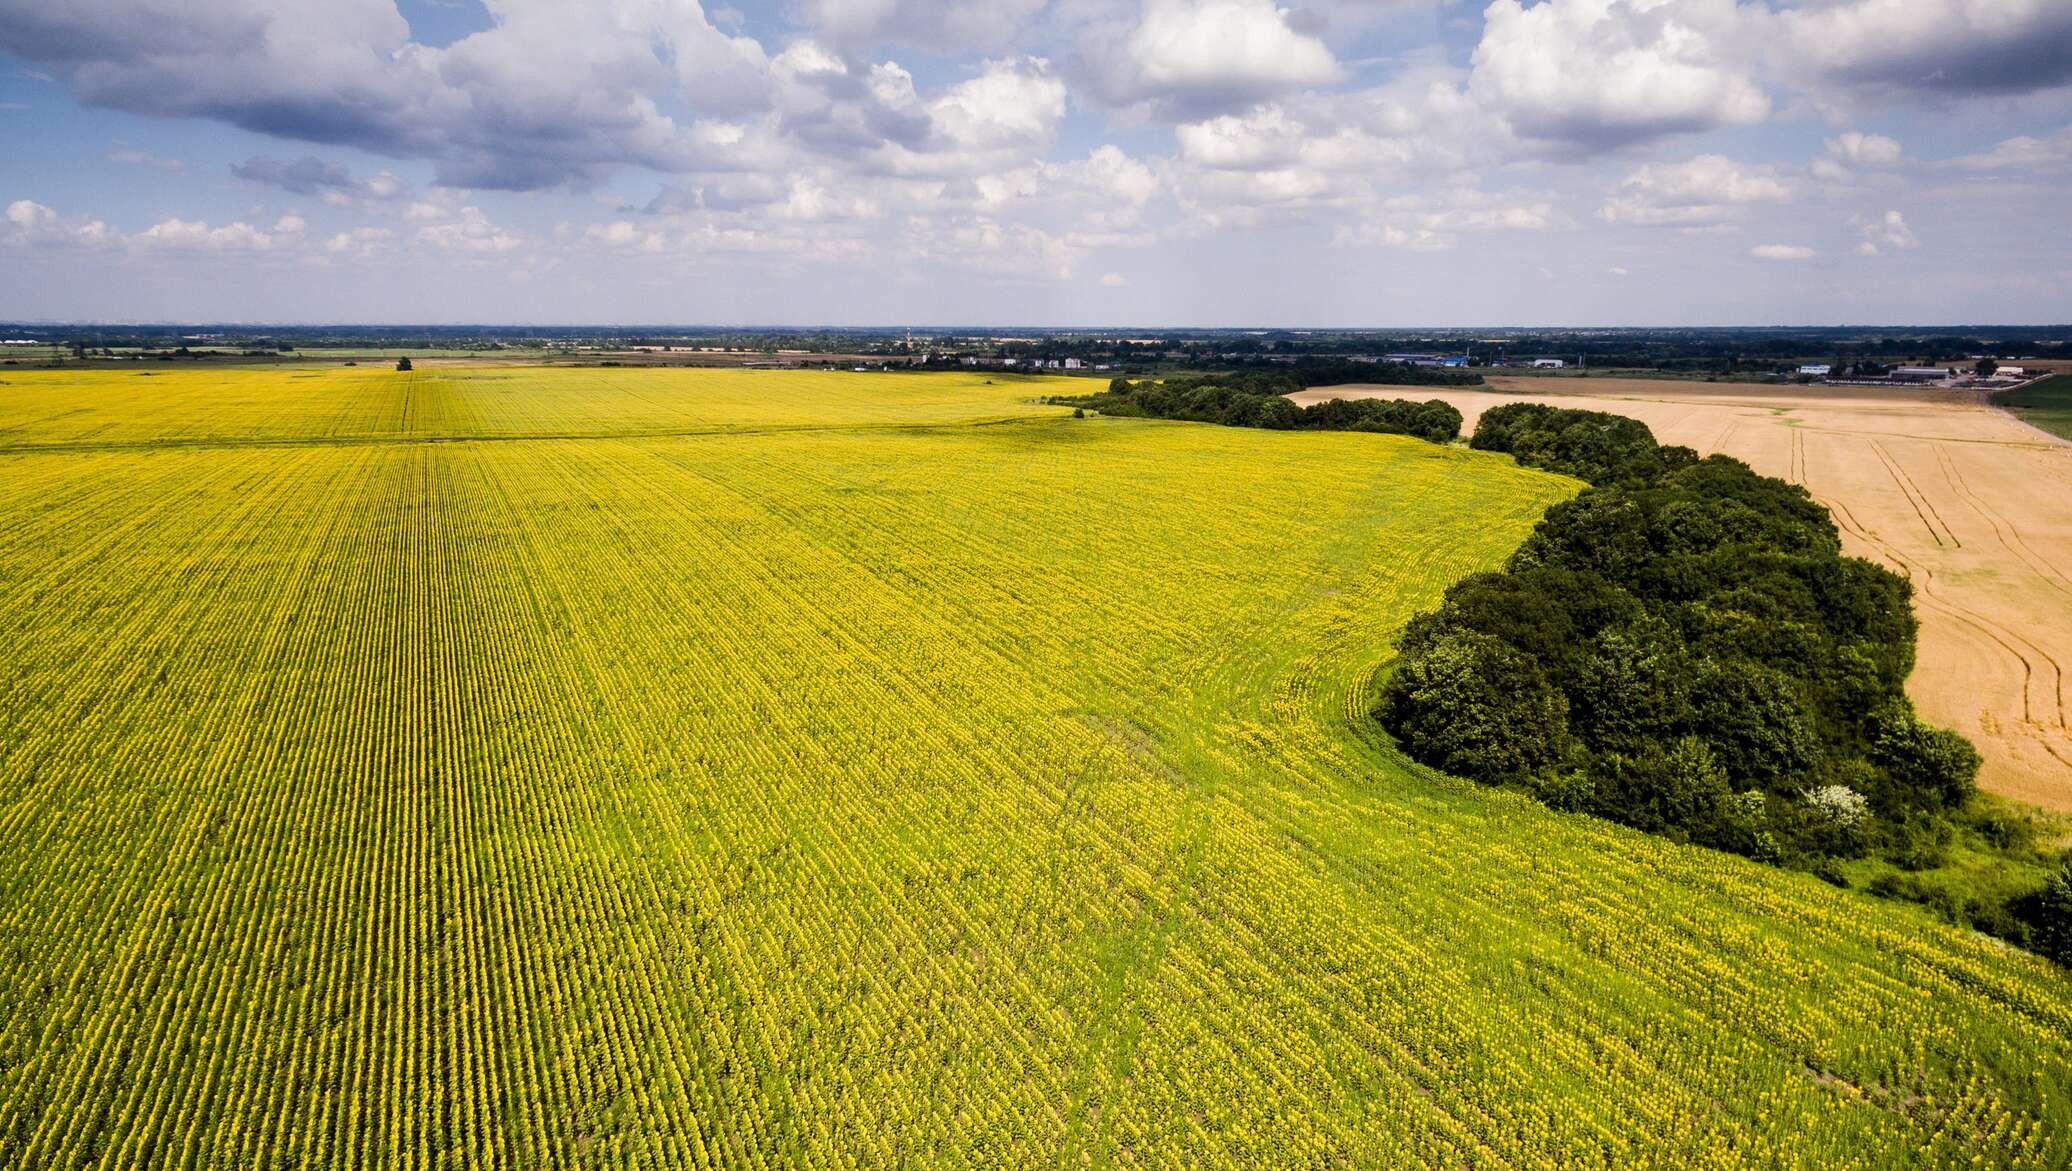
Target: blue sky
(1191, 162)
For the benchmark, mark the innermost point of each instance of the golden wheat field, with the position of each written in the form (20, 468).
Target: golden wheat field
(507, 768)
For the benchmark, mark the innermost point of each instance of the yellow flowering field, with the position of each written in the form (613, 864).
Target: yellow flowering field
(493, 767)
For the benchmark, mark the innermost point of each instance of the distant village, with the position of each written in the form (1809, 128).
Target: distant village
(1981, 372)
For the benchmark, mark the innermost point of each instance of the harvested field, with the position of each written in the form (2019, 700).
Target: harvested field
(1968, 502)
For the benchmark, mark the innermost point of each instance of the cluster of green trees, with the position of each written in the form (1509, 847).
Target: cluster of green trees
(1254, 399)
(1683, 648)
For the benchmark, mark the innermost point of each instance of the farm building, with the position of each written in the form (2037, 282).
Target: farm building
(1817, 369)
(1919, 374)
(1548, 364)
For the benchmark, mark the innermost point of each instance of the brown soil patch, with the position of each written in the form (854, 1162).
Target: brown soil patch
(1972, 505)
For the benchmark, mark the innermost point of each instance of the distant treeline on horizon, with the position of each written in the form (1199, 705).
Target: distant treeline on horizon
(1680, 350)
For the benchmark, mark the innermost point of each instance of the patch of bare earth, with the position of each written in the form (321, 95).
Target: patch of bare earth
(1972, 505)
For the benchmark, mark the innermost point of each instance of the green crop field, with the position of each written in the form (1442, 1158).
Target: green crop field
(2046, 404)
(507, 768)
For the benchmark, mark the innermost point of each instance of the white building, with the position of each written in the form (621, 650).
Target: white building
(1817, 369)
(1072, 363)
(2010, 372)
(1548, 364)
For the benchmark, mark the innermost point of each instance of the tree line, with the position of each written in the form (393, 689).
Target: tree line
(1323, 370)
(1256, 399)
(1683, 648)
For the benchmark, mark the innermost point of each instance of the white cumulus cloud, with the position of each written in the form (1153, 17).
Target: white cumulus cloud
(1197, 57)
(1888, 232)
(1702, 192)
(1606, 72)
(1864, 150)
(472, 233)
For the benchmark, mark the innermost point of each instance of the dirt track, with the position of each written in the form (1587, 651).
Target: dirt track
(1971, 504)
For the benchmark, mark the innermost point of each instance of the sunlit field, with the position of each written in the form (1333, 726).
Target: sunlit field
(497, 767)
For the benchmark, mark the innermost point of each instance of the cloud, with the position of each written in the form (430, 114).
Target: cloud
(984, 244)
(27, 213)
(873, 120)
(140, 158)
(1313, 152)
(1603, 73)
(1864, 150)
(1433, 223)
(941, 25)
(2019, 153)
(1009, 105)
(1702, 192)
(1781, 252)
(623, 235)
(551, 93)
(1264, 138)
(1194, 58)
(471, 233)
(312, 176)
(360, 242)
(175, 234)
(1107, 190)
(1888, 232)
(817, 151)
(30, 223)
(1928, 47)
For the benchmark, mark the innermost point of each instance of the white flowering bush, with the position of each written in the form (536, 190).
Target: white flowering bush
(1840, 805)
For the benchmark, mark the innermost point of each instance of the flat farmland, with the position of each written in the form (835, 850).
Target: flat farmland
(1971, 505)
(506, 769)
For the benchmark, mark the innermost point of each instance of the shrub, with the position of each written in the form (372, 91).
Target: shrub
(2047, 912)
(1677, 787)
(1932, 766)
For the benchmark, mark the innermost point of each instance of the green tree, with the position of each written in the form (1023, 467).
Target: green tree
(1474, 707)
